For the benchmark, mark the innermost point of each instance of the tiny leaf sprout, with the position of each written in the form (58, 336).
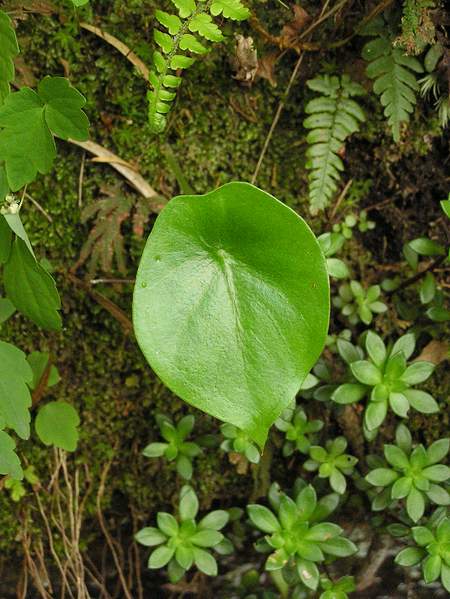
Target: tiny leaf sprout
(182, 542)
(175, 446)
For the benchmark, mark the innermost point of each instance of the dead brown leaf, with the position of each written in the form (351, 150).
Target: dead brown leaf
(245, 61)
(435, 352)
(266, 67)
(291, 30)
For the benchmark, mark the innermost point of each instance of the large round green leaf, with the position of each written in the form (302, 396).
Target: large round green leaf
(231, 304)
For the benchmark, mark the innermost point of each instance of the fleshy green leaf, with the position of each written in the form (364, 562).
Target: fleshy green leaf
(415, 505)
(308, 573)
(366, 372)
(381, 477)
(421, 401)
(396, 457)
(409, 557)
(220, 274)
(160, 557)
(214, 520)
(375, 414)
(375, 348)
(15, 398)
(206, 538)
(263, 518)
(188, 503)
(205, 562)
(438, 450)
(31, 288)
(150, 537)
(349, 393)
(57, 424)
(418, 372)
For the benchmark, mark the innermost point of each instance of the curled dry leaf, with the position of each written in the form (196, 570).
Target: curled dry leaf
(245, 62)
(266, 67)
(435, 352)
(291, 30)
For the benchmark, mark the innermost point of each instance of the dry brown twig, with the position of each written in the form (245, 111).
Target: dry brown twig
(141, 67)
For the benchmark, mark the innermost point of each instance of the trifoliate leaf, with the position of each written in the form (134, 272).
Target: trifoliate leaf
(229, 283)
(15, 398)
(27, 121)
(56, 424)
(9, 461)
(31, 288)
(9, 49)
(63, 108)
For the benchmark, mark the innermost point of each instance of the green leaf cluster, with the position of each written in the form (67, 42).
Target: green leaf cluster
(387, 378)
(237, 440)
(29, 121)
(357, 303)
(394, 75)
(338, 589)
(175, 447)
(296, 535)
(333, 117)
(330, 244)
(182, 542)
(413, 474)
(298, 430)
(331, 462)
(179, 45)
(432, 550)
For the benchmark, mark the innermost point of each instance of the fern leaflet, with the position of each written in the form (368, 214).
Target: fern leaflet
(393, 73)
(333, 116)
(181, 36)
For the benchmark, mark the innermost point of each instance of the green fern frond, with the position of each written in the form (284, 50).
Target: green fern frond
(180, 35)
(333, 116)
(393, 73)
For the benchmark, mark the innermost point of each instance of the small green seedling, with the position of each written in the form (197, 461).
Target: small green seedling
(332, 463)
(356, 303)
(181, 543)
(387, 379)
(237, 441)
(330, 244)
(413, 474)
(295, 534)
(338, 589)
(432, 549)
(298, 430)
(176, 447)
